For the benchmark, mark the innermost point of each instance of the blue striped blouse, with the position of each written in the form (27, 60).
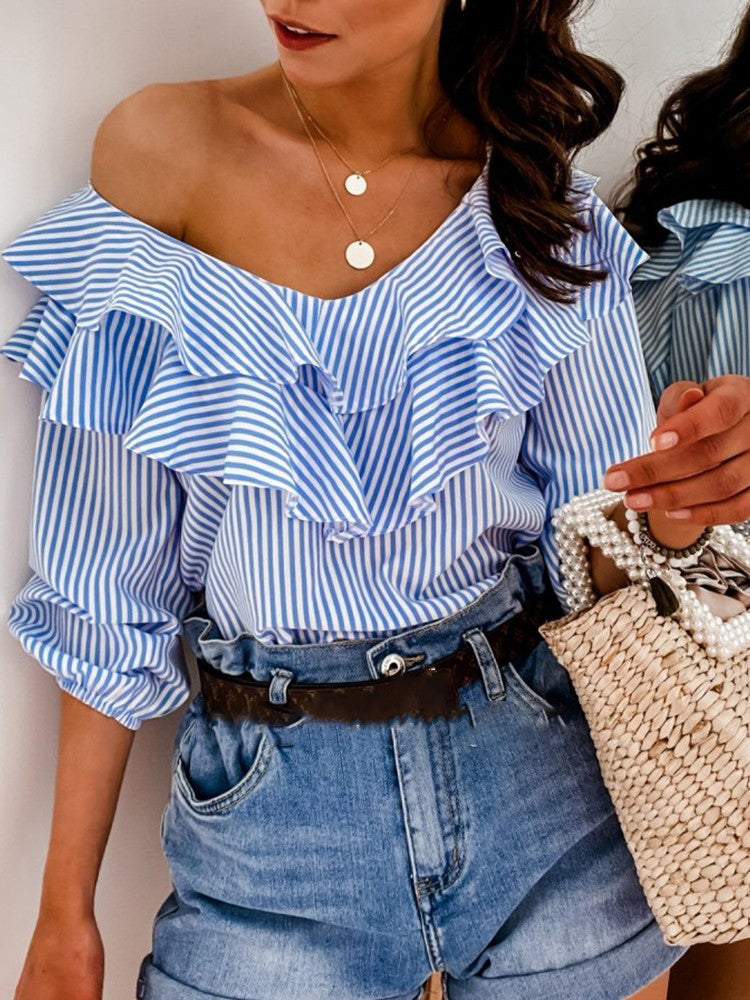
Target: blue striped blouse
(316, 468)
(693, 295)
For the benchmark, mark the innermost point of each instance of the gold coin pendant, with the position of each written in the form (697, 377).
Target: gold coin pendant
(355, 184)
(360, 254)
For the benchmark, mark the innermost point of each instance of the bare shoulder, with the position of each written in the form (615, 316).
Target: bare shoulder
(149, 151)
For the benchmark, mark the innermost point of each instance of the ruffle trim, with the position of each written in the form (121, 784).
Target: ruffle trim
(709, 244)
(205, 368)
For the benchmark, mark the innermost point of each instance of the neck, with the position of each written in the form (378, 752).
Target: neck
(371, 117)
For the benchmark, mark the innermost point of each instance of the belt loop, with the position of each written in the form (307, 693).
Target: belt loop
(492, 678)
(279, 683)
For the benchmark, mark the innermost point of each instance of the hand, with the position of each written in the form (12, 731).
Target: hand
(699, 472)
(65, 959)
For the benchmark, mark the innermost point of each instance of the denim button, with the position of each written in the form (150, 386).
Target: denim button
(392, 664)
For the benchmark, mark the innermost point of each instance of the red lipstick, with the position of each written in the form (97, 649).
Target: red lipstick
(295, 40)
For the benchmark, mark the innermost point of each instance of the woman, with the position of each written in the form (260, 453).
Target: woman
(357, 474)
(689, 205)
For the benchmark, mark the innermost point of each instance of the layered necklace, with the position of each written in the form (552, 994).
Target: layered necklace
(359, 253)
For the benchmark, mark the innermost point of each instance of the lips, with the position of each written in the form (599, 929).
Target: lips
(298, 39)
(291, 23)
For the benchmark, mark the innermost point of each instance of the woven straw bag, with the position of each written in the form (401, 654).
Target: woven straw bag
(671, 729)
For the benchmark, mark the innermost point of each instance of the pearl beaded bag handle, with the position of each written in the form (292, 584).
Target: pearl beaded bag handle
(584, 519)
(667, 701)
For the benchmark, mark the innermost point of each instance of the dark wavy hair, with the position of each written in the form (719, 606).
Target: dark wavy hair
(701, 148)
(512, 68)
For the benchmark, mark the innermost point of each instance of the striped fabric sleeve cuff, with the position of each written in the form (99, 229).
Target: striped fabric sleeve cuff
(120, 670)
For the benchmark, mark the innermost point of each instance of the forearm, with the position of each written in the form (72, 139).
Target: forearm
(607, 576)
(92, 754)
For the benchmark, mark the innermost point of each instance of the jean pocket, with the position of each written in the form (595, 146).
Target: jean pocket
(525, 694)
(163, 824)
(168, 905)
(219, 763)
(541, 683)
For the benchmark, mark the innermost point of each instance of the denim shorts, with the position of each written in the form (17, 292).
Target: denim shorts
(317, 860)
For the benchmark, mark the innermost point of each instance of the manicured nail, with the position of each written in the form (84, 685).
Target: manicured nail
(639, 501)
(678, 515)
(616, 481)
(666, 440)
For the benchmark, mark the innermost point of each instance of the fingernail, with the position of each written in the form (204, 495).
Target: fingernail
(639, 501)
(678, 515)
(616, 481)
(666, 440)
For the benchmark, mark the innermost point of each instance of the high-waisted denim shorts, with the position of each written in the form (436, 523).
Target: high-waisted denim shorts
(317, 860)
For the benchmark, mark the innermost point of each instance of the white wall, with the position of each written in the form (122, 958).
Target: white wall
(62, 67)
(652, 42)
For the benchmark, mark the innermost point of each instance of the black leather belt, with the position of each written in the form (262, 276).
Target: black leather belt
(425, 692)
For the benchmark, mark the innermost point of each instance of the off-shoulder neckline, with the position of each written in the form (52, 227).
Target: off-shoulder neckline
(287, 290)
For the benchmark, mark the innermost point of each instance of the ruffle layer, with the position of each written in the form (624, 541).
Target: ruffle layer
(709, 244)
(204, 367)
(689, 294)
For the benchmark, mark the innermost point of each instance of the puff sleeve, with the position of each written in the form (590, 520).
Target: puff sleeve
(102, 609)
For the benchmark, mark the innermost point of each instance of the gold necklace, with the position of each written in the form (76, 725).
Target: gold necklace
(359, 254)
(355, 183)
